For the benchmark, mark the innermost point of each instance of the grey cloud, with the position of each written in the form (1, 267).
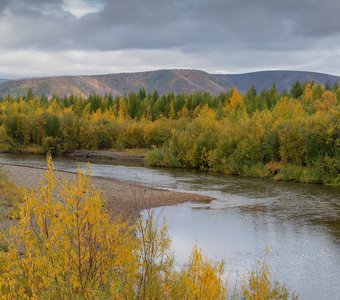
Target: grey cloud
(3, 5)
(25, 7)
(155, 24)
(210, 24)
(235, 29)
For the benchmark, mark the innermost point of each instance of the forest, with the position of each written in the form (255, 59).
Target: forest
(289, 135)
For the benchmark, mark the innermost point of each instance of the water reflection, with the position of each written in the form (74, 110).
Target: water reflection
(302, 255)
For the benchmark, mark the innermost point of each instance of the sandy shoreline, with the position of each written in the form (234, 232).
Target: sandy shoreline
(122, 197)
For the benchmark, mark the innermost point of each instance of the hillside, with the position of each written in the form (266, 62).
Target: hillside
(282, 79)
(164, 81)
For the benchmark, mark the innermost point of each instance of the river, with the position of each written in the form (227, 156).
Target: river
(299, 222)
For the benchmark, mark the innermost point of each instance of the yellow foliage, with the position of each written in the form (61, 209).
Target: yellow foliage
(207, 113)
(202, 279)
(236, 102)
(327, 101)
(71, 247)
(184, 112)
(288, 108)
(109, 115)
(122, 112)
(97, 115)
(53, 108)
(308, 94)
(3, 135)
(259, 286)
(10, 197)
(66, 246)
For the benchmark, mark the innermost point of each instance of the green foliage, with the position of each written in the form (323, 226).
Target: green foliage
(230, 132)
(296, 90)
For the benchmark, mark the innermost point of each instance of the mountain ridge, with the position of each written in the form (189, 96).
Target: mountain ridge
(164, 81)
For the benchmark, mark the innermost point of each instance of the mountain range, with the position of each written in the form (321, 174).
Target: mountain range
(164, 81)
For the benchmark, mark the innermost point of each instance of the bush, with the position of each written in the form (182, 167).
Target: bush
(74, 250)
(66, 246)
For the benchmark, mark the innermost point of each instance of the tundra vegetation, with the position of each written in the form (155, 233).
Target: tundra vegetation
(10, 197)
(286, 135)
(65, 245)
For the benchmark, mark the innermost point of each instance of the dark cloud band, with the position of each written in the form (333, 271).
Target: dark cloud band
(193, 27)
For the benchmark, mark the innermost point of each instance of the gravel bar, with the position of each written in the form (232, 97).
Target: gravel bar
(122, 197)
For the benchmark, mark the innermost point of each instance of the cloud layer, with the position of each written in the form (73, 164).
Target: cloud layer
(47, 37)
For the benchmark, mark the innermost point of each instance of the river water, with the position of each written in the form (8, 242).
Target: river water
(300, 223)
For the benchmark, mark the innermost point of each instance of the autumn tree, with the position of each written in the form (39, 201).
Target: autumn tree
(71, 247)
(236, 104)
(66, 246)
(327, 101)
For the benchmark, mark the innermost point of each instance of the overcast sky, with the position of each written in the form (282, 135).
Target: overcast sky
(59, 37)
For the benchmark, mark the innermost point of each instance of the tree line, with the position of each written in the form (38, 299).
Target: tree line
(292, 135)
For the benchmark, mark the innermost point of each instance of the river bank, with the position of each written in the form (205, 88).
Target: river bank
(122, 197)
(276, 171)
(121, 156)
(126, 155)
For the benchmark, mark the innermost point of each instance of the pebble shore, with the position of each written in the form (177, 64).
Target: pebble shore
(122, 197)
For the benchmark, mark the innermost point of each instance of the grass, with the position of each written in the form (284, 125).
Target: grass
(10, 197)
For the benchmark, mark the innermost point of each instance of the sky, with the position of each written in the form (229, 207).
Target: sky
(77, 37)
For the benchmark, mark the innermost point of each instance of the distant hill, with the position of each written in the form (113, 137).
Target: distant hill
(164, 81)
